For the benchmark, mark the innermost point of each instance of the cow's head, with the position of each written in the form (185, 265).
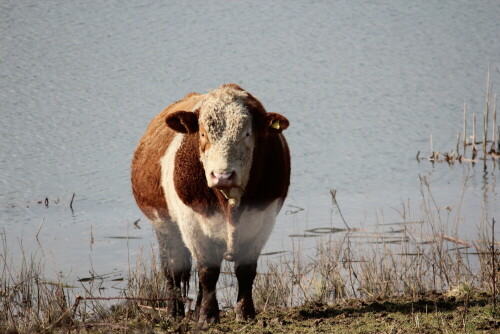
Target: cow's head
(228, 122)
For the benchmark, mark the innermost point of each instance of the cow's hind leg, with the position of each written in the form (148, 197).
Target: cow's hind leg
(245, 273)
(198, 301)
(175, 260)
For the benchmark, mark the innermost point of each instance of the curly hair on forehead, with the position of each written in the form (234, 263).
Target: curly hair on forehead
(223, 113)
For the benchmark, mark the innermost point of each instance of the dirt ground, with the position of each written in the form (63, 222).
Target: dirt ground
(432, 313)
(429, 314)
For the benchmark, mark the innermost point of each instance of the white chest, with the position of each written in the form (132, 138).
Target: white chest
(197, 231)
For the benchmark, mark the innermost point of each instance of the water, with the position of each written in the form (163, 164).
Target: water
(363, 85)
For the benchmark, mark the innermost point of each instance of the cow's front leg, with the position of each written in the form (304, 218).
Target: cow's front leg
(209, 308)
(245, 273)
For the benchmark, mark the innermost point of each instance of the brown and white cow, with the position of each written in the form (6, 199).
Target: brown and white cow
(211, 173)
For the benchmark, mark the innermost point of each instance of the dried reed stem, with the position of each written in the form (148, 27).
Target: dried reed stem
(485, 132)
(432, 148)
(473, 131)
(465, 127)
(486, 112)
(493, 125)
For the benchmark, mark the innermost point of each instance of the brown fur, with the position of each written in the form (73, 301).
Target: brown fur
(270, 173)
(204, 142)
(146, 170)
(189, 178)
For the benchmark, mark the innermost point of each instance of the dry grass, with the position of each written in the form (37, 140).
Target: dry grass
(422, 254)
(28, 301)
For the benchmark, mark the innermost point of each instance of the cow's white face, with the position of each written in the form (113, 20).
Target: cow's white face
(226, 141)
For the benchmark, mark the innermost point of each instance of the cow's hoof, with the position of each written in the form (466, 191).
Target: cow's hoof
(175, 310)
(245, 311)
(244, 317)
(205, 321)
(208, 314)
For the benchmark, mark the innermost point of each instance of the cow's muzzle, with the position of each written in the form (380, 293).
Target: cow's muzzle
(223, 179)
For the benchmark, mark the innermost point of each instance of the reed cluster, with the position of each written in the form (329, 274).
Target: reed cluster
(470, 143)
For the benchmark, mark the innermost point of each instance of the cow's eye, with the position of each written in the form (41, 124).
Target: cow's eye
(246, 137)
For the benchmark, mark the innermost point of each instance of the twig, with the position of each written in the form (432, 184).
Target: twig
(333, 192)
(40, 227)
(71, 203)
(159, 309)
(455, 240)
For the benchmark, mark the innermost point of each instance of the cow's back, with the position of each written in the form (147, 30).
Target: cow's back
(146, 168)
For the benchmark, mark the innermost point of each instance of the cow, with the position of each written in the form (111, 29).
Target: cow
(211, 173)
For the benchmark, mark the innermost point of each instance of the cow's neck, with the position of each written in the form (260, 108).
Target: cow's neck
(227, 205)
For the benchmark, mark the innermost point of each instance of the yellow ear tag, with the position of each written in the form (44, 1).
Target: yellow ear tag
(276, 125)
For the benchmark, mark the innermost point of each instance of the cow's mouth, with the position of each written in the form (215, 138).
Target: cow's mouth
(228, 183)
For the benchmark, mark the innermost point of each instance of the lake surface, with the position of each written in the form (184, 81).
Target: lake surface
(363, 85)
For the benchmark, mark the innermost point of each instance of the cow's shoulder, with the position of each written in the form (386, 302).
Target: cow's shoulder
(270, 173)
(146, 168)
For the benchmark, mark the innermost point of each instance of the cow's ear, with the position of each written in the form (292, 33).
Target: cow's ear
(183, 121)
(276, 122)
